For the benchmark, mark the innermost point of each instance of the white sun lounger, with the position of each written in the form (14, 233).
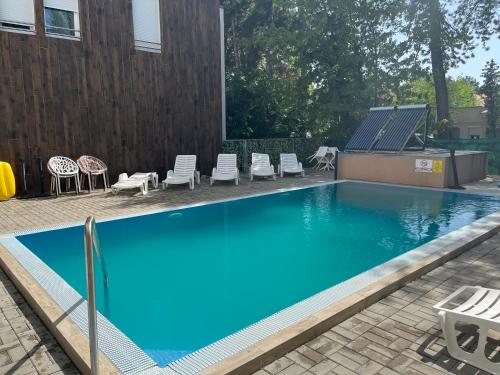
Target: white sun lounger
(319, 154)
(126, 183)
(471, 305)
(289, 164)
(226, 170)
(261, 166)
(184, 172)
(149, 176)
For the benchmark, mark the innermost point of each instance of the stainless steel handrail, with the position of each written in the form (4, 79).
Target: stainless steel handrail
(91, 242)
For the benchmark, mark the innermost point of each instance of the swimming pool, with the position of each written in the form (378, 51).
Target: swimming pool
(184, 279)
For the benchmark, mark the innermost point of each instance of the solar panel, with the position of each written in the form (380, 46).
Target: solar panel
(367, 133)
(406, 121)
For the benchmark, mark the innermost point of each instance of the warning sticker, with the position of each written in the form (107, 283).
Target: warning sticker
(423, 165)
(437, 167)
(429, 166)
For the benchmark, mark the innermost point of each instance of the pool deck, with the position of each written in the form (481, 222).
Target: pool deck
(398, 335)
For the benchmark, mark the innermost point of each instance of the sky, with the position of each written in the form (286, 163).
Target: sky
(475, 65)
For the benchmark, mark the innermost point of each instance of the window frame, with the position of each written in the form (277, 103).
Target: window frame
(30, 27)
(76, 22)
(144, 45)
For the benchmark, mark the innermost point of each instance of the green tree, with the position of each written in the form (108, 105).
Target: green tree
(385, 64)
(462, 93)
(307, 66)
(491, 91)
(444, 33)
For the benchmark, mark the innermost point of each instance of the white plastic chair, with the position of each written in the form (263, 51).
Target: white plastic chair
(62, 167)
(331, 154)
(261, 166)
(321, 157)
(226, 169)
(126, 183)
(91, 167)
(184, 172)
(289, 164)
(471, 305)
(322, 150)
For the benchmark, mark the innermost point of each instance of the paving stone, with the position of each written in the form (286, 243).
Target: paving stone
(278, 365)
(294, 369)
(311, 354)
(341, 370)
(369, 368)
(375, 356)
(324, 367)
(301, 359)
(344, 361)
(387, 371)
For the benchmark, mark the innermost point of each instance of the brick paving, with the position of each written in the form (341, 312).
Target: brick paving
(26, 346)
(398, 335)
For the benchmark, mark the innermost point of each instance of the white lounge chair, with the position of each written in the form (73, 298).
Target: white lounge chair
(126, 183)
(184, 172)
(321, 158)
(289, 164)
(61, 167)
(261, 166)
(322, 150)
(471, 305)
(149, 176)
(226, 170)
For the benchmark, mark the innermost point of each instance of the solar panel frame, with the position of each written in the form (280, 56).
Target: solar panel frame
(366, 135)
(403, 126)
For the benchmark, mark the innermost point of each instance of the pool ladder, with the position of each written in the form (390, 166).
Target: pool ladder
(91, 243)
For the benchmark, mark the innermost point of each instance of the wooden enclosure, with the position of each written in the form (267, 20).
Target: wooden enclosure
(100, 96)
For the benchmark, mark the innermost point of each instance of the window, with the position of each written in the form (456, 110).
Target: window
(147, 35)
(61, 18)
(17, 15)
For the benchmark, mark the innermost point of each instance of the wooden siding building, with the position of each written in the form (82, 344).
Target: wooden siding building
(101, 96)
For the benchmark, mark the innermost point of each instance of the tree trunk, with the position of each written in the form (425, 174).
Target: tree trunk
(438, 69)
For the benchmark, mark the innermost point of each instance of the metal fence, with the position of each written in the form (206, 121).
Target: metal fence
(492, 145)
(303, 147)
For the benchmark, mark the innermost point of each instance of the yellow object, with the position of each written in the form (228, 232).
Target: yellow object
(437, 166)
(7, 181)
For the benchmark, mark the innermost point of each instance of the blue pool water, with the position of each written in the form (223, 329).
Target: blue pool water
(183, 279)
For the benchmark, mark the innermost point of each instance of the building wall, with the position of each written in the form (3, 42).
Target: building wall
(471, 121)
(100, 96)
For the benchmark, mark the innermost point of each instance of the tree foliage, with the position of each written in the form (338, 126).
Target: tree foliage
(444, 33)
(462, 93)
(296, 67)
(491, 91)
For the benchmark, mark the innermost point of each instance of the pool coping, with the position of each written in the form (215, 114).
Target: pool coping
(254, 356)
